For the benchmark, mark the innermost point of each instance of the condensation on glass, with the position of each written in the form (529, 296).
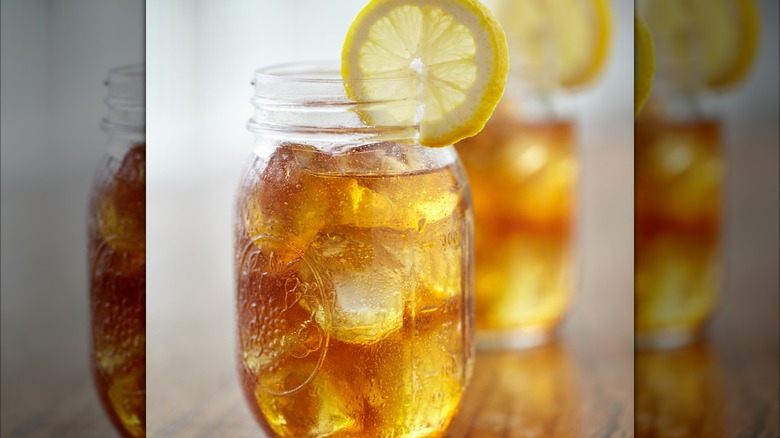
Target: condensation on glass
(353, 264)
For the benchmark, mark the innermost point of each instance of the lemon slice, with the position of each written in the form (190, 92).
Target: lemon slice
(558, 43)
(703, 43)
(644, 64)
(454, 50)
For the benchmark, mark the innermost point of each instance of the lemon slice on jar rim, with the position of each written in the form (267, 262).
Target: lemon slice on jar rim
(708, 44)
(560, 43)
(454, 50)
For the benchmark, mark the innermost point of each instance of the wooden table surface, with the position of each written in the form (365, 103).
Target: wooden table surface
(581, 385)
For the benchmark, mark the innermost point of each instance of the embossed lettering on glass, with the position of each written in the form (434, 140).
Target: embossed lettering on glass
(353, 264)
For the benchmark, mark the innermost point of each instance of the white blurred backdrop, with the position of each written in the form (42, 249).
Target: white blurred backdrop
(201, 56)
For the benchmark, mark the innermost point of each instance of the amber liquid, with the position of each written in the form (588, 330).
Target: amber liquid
(678, 203)
(117, 255)
(523, 177)
(353, 294)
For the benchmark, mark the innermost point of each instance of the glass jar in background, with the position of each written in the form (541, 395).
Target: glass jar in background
(678, 196)
(117, 256)
(353, 257)
(523, 170)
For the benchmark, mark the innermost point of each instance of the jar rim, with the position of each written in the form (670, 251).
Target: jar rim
(126, 87)
(315, 72)
(311, 99)
(129, 71)
(126, 100)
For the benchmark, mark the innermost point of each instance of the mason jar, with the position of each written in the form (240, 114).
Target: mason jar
(117, 256)
(524, 172)
(679, 196)
(353, 263)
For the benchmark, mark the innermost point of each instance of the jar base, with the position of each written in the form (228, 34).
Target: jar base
(521, 339)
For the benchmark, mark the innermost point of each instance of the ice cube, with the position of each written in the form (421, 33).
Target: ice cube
(366, 282)
(401, 202)
(539, 271)
(381, 158)
(682, 176)
(438, 373)
(330, 404)
(676, 281)
(282, 198)
(420, 376)
(121, 203)
(118, 300)
(438, 261)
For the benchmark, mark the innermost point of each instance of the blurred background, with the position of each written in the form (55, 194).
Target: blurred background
(707, 197)
(204, 54)
(200, 61)
(200, 58)
(55, 59)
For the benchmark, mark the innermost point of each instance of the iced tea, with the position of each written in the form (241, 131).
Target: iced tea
(678, 202)
(353, 303)
(523, 176)
(117, 255)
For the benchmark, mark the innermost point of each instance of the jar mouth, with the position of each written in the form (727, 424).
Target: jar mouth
(126, 99)
(311, 100)
(126, 87)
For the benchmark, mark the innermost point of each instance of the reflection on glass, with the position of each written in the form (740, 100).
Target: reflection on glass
(117, 256)
(678, 393)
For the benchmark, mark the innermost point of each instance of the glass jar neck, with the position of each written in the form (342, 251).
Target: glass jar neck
(125, 122)
(125, 101)
(677, 102)
(311, 104)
